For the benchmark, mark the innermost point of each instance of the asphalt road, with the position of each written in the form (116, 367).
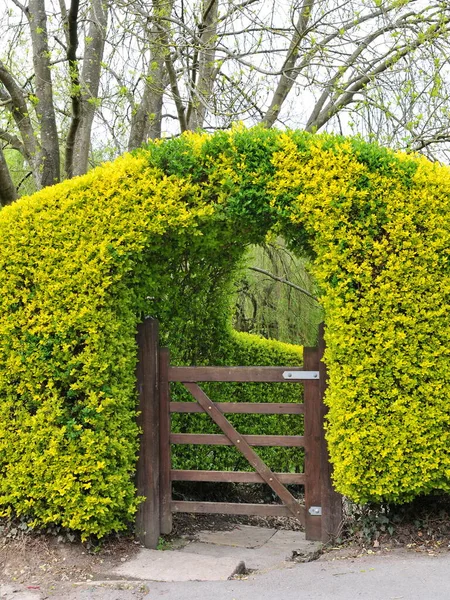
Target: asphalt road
(393, 576)
(390, 577)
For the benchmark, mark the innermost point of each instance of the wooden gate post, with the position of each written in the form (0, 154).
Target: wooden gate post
(147, 518)
(331, 500)
(313, 434)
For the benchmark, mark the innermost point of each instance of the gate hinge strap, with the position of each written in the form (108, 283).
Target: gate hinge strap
(299, 375)
(315, 511)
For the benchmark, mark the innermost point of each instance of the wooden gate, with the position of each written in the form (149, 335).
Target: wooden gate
(321, 512)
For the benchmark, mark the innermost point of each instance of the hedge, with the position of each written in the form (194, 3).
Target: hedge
(378, 223)
(70, 300)
(162, 233)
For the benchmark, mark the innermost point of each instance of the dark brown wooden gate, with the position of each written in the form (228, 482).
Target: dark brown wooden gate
(321, 512)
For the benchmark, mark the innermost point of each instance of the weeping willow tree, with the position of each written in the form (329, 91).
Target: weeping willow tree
(275, 296)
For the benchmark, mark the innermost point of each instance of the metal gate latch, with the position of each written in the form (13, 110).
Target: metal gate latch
(300, 374)
(315, 511)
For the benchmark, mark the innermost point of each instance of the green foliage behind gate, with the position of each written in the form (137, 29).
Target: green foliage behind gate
(243, 349)
(162, 233)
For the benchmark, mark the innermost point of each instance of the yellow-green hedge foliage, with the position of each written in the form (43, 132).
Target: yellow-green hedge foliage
(162, 233)
(68, 438)
(379, 226)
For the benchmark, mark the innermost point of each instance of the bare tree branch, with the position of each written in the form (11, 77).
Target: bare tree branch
(13, 141)
(19, 110)
(20, 5)
(285, 281)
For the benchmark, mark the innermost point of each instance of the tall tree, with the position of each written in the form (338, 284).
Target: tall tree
(84, 84)
(35, 120)
(146, 121)
(82, 76)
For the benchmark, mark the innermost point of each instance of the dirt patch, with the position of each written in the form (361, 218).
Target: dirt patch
(189, 525)
(420, 526)
(39, 560)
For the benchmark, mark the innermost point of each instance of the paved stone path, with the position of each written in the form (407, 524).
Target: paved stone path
(218, 556)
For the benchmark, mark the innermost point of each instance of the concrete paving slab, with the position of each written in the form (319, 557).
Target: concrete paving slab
(295, 545)
(242, 536)
(106, 590)
(172, 565)
(12, 592)
(405, 575)
(255, 559)
(276, 553)
(285, 537)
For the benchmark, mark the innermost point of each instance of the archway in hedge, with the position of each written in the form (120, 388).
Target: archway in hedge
(162, 233)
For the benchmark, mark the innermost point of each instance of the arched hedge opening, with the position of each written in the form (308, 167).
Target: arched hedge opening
(162, 233)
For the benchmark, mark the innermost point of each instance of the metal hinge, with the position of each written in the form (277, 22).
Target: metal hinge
(301, 375)
(315, 511)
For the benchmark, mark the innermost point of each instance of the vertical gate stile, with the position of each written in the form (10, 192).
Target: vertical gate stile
(331, 500)
(313, 436)
(147, 518)
(165, 460)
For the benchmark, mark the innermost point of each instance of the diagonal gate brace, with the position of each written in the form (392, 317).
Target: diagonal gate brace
(237, 440)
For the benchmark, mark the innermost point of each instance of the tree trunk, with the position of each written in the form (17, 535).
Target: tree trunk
(48, 156)
(146, 122)
(203, 87)
(74, 74)
(13, 97)
(90, 81)
(289, 71)
(8, 192)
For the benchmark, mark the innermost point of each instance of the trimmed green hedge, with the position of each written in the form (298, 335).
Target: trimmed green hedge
(163, 233)
(378, 224)
(74, 277)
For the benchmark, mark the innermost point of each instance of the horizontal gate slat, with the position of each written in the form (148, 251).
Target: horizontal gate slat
(275, 408)
(229, 508)
(233, 476)
(237, 374)
(213, 439)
